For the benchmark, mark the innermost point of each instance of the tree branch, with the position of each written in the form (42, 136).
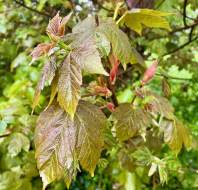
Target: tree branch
(31, 9)
(176, 30)
(182, 46)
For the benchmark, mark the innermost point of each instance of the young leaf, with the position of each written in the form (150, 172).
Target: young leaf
(176, 135)
(90, 58)
(47, 74)
(69, 82)
(135, 18)
(56, 26)
(61, 142)
(159, 104)
(128, 125)
(41, 49)
(120, 43)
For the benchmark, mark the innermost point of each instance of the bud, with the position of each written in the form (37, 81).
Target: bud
(115, 64)
(111, 106)
(149, 73)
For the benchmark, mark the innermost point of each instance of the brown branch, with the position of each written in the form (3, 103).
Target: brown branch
(113, 96)
(176, 30)
(31, 9)
(181, 47)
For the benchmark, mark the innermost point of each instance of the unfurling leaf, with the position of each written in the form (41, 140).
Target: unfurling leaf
(62, 143)
(176, 135)
(158, 104)
(149, 73)
(96, 89)
(135, 18)
(134, 120)
(41, 49)
(69, 82)
(47, 74)
(56, 26)
(114, 70)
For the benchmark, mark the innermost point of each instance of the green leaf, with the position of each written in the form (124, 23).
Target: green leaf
(102, 44)
(18, 142)
(136, 18)
(176, 135)
(9, 181)
(3, 126)
(120, 43)
(62, 142)
(20, 59)
(90, 57)
(47, 74)
(128, 121)
(69, 82)
(159, 104)
(84, 44)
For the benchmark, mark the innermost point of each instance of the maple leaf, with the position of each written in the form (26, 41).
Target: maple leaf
(69, 82)
(48, 73)
(41, 49)
(120, 43)
(176, 134)
(134, 120)
(158, 104)
(61, 143)
(135, 18)
(56, 26)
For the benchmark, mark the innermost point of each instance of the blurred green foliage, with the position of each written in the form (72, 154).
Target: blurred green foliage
(22, 26)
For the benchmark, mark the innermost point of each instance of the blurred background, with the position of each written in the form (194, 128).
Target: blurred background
(22, 27)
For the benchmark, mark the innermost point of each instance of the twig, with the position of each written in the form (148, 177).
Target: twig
(176, 30)
(113, 96)
(31, 9)
(181, 47)
(5, 135)
(171, 77)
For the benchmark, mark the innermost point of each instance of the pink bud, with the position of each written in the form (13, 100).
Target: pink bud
(110, 106)
(115, 64)
(150, 72)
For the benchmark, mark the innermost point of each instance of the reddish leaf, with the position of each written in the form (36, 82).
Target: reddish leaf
(41, 49)
(56, 26)
(102, 91)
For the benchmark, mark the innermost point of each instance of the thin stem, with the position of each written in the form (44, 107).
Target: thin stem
(31, 9)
